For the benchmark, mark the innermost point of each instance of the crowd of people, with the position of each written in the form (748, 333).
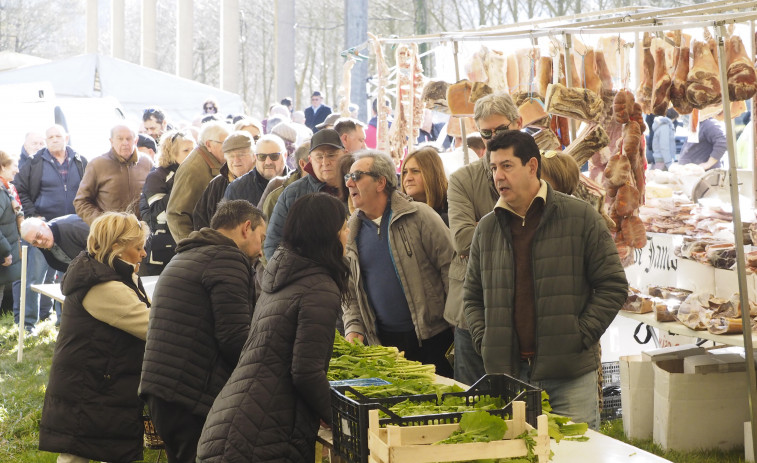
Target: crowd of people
(267, 237)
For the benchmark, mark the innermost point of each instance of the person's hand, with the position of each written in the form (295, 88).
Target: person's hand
(8, 261)
(350, 337)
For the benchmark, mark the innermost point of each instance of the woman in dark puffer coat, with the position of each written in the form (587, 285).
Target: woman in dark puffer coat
(270, 408)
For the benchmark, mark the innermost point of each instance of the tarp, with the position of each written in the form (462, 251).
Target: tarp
(134, 86)
(12, 60)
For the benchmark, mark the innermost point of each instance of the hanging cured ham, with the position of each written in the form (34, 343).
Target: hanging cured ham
(591, 78)
(742, 80)
(702, 83)
(662, 82)
(678, 86)
(544, 74)
(644, 93)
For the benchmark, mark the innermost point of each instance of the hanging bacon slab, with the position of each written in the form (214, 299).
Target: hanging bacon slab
(497, 71)
(591, 77)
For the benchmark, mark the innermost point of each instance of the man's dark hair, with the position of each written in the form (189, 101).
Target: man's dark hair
(287, 102)
(155, 113)
(312, 230)
(523, 145)
(671, 114)
(209, 117)
(346, 125)
(146, 141)
(231, 214)
(375, 104)
(475, 142)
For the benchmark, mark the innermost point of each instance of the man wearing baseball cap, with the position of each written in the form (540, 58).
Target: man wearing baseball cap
(326, 150)
(317, 112)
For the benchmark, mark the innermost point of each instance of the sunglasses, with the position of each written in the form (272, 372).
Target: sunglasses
(487, 134)
(177, 135)
(255, 138)
(273, 156)
(358, 174)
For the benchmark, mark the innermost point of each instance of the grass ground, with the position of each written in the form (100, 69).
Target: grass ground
(22, 392)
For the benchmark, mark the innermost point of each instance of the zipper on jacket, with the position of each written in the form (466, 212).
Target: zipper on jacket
(405, 241)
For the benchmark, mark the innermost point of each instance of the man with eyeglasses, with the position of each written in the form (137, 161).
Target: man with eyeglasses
(60, 240)
(471, 195)
(399, 253)
(270, 162)
(240, 159)
(113, 181)
(326, 150)
(193, 176)
(46, 185)
(316, 112)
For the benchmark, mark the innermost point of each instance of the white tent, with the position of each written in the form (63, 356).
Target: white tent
(135, 87)
(12, 60)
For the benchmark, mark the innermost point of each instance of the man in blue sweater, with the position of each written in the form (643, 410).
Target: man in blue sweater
(709, 149)
(46, 185)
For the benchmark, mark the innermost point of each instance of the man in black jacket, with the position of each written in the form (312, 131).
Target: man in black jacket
(200, 317)
(47, 186)
(60, 239)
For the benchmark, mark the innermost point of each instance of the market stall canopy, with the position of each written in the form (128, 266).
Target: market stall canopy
(12, 60)
(136, 87)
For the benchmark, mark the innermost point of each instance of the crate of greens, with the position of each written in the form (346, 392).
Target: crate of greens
(492, 393)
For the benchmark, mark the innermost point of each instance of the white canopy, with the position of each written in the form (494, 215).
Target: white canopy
(134, 86)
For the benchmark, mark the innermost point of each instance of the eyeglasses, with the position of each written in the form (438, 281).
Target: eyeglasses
(358, 174)
(177, 135)
(487, 134)
(320, 157)
(210, 108)
(274, 156)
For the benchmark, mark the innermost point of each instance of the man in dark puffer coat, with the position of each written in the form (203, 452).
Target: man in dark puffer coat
(201, 314)
(269, 409)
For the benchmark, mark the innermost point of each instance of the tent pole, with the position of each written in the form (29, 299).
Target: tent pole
(738, 230)
(464, 135)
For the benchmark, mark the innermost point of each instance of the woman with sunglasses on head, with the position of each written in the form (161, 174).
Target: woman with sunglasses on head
(423, 179)
(91, 409)
(175, 146)
(271, 406)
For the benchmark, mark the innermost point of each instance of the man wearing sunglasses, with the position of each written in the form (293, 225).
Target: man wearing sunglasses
(270, 162)
(326, 150)
(399, 253)
(471, 195)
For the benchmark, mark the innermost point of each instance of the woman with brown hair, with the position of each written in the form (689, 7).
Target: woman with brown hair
(560, 170)
(91, 409)
(423, 179)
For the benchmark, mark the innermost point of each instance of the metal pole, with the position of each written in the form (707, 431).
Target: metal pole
(22, 306)
(229, 38)
(463, 134)
(739, 232)
(569, 77)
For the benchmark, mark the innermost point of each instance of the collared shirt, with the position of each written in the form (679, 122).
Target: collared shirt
(542, 193)
(62, 167)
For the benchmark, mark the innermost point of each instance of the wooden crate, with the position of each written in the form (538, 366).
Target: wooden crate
(411, 444)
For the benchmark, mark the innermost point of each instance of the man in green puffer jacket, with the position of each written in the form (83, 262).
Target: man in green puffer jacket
(544, 282)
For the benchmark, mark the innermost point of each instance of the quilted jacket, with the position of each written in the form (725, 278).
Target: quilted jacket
(579, 286)
(202, 306)
(269, 410)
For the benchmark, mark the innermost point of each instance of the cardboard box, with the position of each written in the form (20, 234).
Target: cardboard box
(672, 353)
(637, 396)
(713, 363)
(694, 411)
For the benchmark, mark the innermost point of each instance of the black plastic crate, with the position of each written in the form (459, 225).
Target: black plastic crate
(610, 374)
(350, 416)
(611, 408)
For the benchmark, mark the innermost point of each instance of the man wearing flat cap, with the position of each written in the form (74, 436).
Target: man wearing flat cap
(317, 112)
(326, 150)
(240, 158)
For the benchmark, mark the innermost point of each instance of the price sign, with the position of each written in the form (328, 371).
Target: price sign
(656, 263)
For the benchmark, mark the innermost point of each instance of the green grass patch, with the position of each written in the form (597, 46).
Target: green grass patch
(614, 429)
(22, 393)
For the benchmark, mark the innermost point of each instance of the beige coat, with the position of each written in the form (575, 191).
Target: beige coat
(421, 251)
(111, 184)
(471, 195)
(192, 177)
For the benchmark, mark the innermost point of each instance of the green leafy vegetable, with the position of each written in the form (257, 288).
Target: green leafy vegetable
(478, 427)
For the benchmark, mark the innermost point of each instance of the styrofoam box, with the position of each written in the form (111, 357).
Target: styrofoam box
(693, 411)
(637, 396)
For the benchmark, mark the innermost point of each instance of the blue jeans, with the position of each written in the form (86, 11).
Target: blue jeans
(36, 269)
(469, 366)
(577, 398)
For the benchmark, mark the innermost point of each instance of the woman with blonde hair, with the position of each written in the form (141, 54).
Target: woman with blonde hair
(175, 147)
(560, 170)
(91, 409)
(424, 180)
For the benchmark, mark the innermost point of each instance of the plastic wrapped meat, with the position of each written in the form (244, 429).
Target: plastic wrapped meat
(725, 325)
(665, 312)
(668, 292)
(638, 303)
(694, 312)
